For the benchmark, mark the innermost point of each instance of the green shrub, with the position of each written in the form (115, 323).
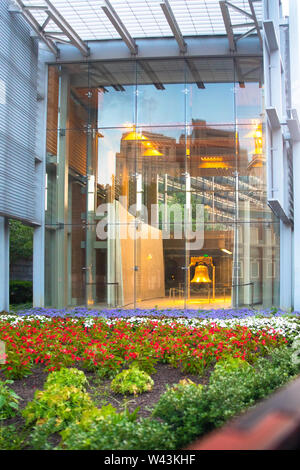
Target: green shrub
(132, 381)
(105, 429)
(231, 363)
(180, 407)
(11, 438)
(65, 378)
(20, 292)
(9, 400)
(62, 403)
(191, 412)
(40, 433)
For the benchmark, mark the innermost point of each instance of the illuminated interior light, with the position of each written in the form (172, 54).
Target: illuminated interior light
(135, 136)
(152, 152)
(226, 251)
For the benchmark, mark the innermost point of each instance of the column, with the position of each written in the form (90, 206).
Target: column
(40, 177)
(246, 254)
(295, 74)
(62, 177)
(235, 261)
(275, 64)
(90, 252)
(267, 268)
(286, 283)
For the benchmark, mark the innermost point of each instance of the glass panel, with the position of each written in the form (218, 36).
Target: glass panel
(115, 224)
(210, 86)
(211, 163)
(211, 153)
(65, 217)
(143, 18)
(68, 85)
(249, 96)
(252, 160)
(161, 92)
(210, 268)
(64, 265)
(258, 264)
(160, 200)
(114, 90)
(165, 207)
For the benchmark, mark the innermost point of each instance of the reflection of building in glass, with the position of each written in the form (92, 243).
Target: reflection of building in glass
(162, 128)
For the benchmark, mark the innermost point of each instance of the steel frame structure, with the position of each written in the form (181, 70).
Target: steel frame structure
(50, 38)
(65, 30)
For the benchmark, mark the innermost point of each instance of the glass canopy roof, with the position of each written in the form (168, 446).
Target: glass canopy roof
(145, 18)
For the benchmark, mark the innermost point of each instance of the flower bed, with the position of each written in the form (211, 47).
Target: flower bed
(110, 345)
(234, 361)
(211, 314)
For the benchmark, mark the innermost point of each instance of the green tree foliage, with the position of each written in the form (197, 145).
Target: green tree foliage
(21, 241)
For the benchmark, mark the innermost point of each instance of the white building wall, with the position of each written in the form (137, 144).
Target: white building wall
(295, 92)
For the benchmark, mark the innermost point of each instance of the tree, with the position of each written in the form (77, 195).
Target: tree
(21, 241)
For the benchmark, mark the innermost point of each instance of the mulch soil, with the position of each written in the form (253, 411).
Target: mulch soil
(100, 392)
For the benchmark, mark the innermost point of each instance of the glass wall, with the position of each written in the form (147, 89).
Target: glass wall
(156, 185)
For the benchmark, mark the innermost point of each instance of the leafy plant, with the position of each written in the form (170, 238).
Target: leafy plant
(17, 364)
(40, 433)
(9, 400)
(62, 403)
(191, 412)
(230, 364)
(180, 407)
(11, 438)
(66, 378)
(133, 381)
(106, 429)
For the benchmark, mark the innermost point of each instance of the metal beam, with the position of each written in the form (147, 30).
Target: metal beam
(196, 75)
(119, 26)
(166, 8)
(151, 74)
(255, 22)
(239, 75)
(225, 5)
(50, 38)
(167, 47)
(245, 35)
(228, 26)
(36, 27)
(243, 25)
(67, 29)
(107, 75)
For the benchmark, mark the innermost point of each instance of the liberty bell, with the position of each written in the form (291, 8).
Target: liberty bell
(201, 274)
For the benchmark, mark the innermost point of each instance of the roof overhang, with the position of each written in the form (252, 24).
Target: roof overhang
(73, 29)
(212, 46)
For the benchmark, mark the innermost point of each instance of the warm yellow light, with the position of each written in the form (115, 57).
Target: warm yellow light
(226, 251)
(212, 159)
(152, 152)
(223, 165)
(135, 136)
(149, 257)
(258, 140)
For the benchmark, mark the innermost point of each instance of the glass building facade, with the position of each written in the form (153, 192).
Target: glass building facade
(140, 154)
